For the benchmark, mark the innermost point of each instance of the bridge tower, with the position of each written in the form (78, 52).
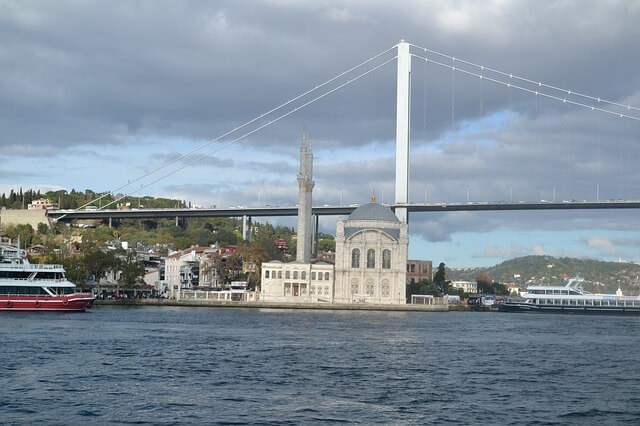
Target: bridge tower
(403, 118)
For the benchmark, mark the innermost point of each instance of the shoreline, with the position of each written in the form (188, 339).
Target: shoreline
(276, 305)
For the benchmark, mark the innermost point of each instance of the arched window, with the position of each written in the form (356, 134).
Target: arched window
(386, 259)
(355, 258)
(295, 275)
(303, 275)
(371, 258)
(326, 276)
(313, 276)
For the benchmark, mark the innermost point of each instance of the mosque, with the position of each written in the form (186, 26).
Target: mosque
(370, 261)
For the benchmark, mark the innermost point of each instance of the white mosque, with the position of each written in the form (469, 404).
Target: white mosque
(370, 261)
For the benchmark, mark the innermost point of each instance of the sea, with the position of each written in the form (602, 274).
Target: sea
(185, 365)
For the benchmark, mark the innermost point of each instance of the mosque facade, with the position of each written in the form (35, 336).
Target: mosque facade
(370, 261)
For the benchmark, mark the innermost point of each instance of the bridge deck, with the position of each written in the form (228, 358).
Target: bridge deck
(335, 210)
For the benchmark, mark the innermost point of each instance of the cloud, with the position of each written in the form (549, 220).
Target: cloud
(143, 85)
(601, 244)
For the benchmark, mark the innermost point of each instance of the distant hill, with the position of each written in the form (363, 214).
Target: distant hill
(601, 277)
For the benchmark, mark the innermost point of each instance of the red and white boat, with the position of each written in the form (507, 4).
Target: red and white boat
(33, 287)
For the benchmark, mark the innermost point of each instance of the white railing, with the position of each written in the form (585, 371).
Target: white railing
(29, 266)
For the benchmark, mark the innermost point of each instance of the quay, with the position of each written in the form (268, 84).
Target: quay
(276, 305)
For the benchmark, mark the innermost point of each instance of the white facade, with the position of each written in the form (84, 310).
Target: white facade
(297, 282)
(469, 287)
(371, 257)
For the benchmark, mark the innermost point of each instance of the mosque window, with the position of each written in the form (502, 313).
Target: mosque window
(386, 259)
(354, 286)
(319, 276)
(326, 276)
(287, 274)
(303, 275)
(370, 289)
(266, 273)
(295, 275)
(355, 258)
(326, 290)
(313, 275)
(371, 258)
(279, 274)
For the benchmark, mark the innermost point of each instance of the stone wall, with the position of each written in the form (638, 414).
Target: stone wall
(23, 217)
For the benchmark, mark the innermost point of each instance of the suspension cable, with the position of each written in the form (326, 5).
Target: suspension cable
(235, 129)
(534, 92)
(538, 83)
(245, 135)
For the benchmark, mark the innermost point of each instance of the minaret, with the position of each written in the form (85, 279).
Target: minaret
(305, 188)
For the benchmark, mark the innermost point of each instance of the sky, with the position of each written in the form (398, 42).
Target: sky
(95, 94)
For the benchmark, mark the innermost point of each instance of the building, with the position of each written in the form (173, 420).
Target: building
(41, 204)
(371, 256)
(469, 287)
(418, 270)
(370, 261)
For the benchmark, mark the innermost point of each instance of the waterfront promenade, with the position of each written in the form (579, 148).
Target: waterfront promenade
(275, 305)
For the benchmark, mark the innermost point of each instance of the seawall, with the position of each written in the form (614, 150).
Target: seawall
(272, 305)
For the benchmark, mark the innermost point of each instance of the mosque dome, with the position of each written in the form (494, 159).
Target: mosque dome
(373, 211)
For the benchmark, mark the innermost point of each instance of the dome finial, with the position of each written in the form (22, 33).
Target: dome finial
(373, 197)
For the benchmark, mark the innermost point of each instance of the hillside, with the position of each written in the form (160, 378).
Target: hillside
(601, 277)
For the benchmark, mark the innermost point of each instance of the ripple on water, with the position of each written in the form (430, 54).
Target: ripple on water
(192, 365)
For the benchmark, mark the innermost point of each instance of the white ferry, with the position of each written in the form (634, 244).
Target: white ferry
(31, 287)
(572, 298)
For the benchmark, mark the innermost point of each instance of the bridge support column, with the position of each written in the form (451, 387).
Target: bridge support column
(110, 223)
(244, 227)
(177, 221)
(403, 118)
(314, 247)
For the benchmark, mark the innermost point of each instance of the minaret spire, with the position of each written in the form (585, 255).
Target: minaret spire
(305, 189)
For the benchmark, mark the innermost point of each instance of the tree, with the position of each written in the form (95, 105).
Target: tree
(43, 228)
(484, 283)
(98, 263)
(131, 271)
(440, 278)
(252, 255)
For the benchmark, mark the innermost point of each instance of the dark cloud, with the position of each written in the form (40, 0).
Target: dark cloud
(110, 79)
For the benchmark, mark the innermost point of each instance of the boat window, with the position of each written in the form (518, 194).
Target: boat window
(42, 275)
(15, 274)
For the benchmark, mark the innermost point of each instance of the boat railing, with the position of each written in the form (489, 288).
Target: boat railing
(48, 296)
(37, 280)
(23, 266)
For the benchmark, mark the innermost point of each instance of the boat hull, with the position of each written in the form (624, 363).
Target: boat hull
(577, 310)
(72, 302)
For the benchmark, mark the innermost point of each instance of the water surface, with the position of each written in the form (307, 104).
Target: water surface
(173, 365)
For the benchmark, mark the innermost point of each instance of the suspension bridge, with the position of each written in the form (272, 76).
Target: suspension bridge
(403, 54)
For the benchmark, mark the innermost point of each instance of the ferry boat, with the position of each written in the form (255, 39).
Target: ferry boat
(572, 298)
(32, 287)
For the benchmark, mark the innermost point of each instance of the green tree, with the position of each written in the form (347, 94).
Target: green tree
(43, 228)
(252, 255)
(98, 263)
(131, 271)
(440, 278)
